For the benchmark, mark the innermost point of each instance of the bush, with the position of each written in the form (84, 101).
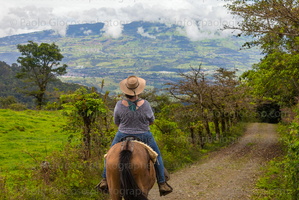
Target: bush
(63, 175)
(175, 146)
(17, 106)
(6, 101)
(52, 106)
(66, 176)
(281, 180)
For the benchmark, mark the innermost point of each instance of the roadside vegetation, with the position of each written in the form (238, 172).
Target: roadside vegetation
(280, 180)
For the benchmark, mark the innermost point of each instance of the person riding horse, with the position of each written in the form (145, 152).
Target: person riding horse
(133, 116)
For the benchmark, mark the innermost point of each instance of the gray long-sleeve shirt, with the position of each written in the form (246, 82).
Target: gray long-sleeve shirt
(133, 122)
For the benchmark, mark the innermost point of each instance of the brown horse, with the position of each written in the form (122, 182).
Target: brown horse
(130, 171)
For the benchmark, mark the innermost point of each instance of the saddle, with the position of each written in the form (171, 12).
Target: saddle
(153, 155)
(130, 138)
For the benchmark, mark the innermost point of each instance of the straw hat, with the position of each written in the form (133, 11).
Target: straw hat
(132, 85)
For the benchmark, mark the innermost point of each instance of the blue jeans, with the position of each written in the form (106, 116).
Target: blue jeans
(148, 139)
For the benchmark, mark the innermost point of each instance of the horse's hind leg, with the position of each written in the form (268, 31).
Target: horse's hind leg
(113, 180)
(114, 191)
(115, 197)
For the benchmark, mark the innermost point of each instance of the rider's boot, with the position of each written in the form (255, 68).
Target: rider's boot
(103, 186)
(166, 174)
(164, 188)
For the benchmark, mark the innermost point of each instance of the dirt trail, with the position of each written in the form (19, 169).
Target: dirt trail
(229, 173)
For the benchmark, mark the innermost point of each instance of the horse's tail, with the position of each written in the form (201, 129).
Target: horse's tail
(129, 187)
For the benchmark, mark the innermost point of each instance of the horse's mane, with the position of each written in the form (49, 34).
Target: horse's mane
(129, 188)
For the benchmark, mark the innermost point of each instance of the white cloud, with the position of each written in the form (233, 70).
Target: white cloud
(140, 30)
(113, 28)
(198, 19)
(193, 31)
(87, 32)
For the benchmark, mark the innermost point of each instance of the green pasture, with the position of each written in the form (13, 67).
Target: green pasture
(27, 137)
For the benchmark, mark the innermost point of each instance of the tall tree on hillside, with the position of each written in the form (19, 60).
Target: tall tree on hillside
(274, 25)
(40, 64)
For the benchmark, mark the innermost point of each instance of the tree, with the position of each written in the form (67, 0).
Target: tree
(40, 64)
(275, 78)
(274, 25)
(216, 99)
(85, 110)
(193, 90)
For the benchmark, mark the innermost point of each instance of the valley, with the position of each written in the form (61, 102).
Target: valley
(154, 51)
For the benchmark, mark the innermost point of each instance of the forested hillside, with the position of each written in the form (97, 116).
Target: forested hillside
(10, 86)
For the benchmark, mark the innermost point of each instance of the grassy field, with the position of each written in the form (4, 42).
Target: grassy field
(27, 137)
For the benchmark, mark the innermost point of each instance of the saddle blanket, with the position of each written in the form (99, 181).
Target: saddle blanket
(153, 155)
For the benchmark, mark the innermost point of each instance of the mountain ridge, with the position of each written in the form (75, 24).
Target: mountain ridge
(155, 51)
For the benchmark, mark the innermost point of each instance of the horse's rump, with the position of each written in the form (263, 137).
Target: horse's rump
(130, 171)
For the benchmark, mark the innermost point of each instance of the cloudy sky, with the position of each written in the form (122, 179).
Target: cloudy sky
(198, 18)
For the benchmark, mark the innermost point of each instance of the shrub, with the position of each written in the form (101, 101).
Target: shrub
(6, 101)
(17, 106)
(281, 180)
